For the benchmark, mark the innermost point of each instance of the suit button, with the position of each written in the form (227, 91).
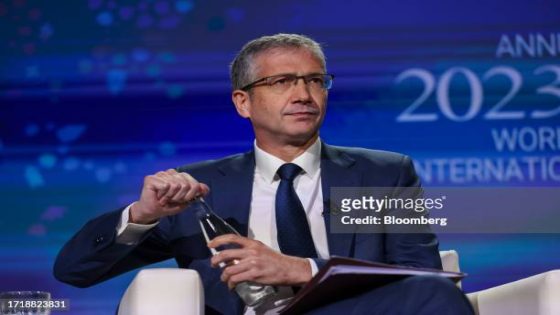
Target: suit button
(99, 239)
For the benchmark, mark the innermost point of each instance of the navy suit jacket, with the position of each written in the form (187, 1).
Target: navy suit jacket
(92, 255)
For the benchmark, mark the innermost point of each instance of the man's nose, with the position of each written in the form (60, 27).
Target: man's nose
(301, 89)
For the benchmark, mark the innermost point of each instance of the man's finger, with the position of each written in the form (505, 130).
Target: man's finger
(157, 185)
(174, 189)
(198, 189)
(204, 189)
(193, 192)
(171, 171)
(233, 270)
(228, 255)
(180, 196)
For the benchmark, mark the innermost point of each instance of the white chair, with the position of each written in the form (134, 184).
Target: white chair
(163, 291)
(538, 295)
(175, 291)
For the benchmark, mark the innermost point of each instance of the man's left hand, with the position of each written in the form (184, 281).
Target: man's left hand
(258, 263)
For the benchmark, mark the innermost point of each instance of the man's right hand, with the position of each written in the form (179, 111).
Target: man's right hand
(163, 194)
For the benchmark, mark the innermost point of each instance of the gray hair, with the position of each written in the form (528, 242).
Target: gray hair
(242, 66)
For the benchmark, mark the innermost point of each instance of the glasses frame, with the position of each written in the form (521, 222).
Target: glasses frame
(268, 80)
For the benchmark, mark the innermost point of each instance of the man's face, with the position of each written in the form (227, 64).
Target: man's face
(291, 117)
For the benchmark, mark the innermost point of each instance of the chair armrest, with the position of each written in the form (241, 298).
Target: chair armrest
(536, 295)
(163, 291)
(449, 260)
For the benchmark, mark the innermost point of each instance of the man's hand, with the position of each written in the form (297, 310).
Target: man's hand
(258, 263)
(165, 193)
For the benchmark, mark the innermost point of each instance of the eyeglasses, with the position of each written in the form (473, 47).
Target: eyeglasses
(281, 83)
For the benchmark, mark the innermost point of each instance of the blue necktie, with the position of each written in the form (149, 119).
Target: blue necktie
(293, 233)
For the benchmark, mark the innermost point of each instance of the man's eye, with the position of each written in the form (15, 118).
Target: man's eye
(280, 81)
(318, 81)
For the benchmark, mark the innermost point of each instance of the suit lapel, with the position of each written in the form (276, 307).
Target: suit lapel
(234, 187)
(336, 171)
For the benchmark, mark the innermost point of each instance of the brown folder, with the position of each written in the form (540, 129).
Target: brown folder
(342, 278)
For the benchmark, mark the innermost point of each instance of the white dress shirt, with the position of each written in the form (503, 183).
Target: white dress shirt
(262, 217)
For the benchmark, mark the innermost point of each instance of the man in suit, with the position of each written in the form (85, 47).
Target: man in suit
(276, 196)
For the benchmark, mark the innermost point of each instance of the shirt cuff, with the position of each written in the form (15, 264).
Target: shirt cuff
(314, 268)
(131, 233)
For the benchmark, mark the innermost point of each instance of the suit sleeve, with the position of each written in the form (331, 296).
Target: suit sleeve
(93, 255)
(418, 249)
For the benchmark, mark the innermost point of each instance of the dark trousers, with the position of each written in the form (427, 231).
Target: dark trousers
(419, 295)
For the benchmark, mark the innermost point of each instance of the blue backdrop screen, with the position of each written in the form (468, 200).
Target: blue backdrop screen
(95, 95)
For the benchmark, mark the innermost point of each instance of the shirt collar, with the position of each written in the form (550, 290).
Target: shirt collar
(267, 164)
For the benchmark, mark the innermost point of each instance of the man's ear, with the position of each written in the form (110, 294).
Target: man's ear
(242, 103)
